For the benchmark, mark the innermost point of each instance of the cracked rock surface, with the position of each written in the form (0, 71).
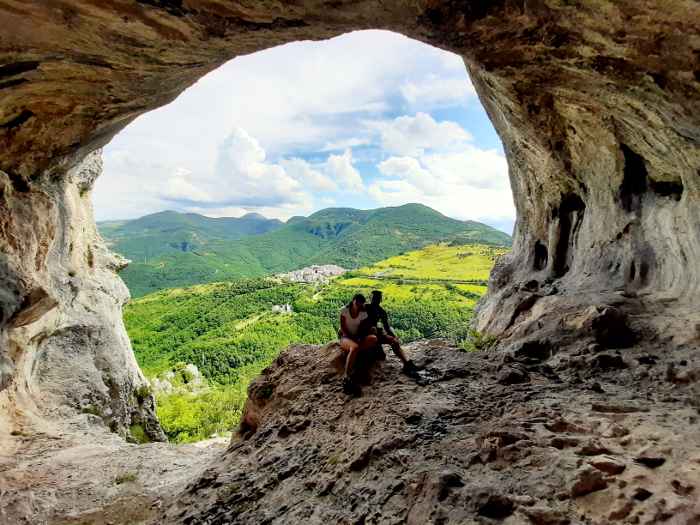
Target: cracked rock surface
(571, 444)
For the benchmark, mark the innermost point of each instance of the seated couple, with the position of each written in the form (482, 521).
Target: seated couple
(359, 333)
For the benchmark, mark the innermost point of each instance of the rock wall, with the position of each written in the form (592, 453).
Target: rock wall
(65, 351)
(597, 103)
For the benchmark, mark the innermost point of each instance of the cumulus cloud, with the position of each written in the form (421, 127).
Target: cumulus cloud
(412, 136)
(436, 91)
(472, 184)
(341, 169)
(412, 173)
(307, 176)
(358, 128)
(242, 177)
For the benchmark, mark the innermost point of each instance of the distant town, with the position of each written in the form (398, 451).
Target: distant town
(314, 274)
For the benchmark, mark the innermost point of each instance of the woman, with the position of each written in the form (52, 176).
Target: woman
(352, 339)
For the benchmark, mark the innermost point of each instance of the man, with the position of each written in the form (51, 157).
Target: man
(385, 335)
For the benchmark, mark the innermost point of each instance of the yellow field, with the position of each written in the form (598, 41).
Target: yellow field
(475, 288)
(439, 262)
(434, 273)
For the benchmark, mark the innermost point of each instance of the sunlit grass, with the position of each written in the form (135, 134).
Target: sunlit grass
(471, 262)
(475, 288)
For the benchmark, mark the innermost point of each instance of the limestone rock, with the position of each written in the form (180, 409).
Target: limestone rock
(64, 338)
(597, 105)
(587, 480)
(608, 465)
(456, 449)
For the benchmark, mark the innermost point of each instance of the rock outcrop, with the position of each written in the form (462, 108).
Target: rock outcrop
(64, 350)
(576, 442)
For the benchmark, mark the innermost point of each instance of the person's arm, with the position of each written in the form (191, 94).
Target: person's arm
(343, 327)
(385, 323)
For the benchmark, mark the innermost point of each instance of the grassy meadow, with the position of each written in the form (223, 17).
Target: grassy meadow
(229, 331)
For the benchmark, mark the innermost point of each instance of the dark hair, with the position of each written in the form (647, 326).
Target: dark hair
(376, 293)
(357, 297)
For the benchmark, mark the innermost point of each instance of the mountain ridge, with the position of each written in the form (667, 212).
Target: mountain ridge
(169, 249)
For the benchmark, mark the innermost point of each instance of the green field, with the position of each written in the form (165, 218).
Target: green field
(228, 330)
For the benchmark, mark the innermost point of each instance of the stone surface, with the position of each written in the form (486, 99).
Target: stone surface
(449, 448)
(452, 449)
(79, 473)
(65, 350)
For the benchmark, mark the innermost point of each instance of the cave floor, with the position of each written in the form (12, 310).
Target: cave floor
(83, 474)
(530, 434)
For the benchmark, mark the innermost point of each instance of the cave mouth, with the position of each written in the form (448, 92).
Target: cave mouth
(566, 87)
(391, 128)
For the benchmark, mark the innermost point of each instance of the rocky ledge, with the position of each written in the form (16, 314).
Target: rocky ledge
(535, 433)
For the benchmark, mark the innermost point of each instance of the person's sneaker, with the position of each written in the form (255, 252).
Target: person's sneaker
(410, 369)
(351, 388)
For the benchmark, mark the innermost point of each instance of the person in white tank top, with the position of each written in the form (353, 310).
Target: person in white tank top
(352, 339)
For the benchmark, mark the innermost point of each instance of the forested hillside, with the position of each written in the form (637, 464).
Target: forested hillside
(181, 250)
(149, 237)
(230, 332)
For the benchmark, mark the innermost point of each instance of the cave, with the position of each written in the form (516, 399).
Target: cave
(597, 106)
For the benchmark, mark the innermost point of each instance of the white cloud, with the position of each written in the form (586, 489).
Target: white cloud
(340, 168)
(282, 212)
(412, 136)
(309, 178)
(436, 91)
(180, 187)
(242, 177)
(342, 145)
(472, 184)
(251, 175)
(316, 116)
(410, 170)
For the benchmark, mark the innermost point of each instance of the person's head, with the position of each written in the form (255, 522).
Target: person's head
(358, 301)
(376, 297)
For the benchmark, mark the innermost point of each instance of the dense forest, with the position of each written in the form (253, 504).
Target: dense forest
(229, 330)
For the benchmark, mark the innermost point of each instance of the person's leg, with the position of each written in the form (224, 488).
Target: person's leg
(368, 342)
(409, 366)
(396, 347)
(352, 348)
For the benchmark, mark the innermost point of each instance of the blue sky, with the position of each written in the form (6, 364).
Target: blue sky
(364, 120)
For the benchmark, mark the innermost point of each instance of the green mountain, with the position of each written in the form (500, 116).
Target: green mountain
(173, 250)
(168, 232)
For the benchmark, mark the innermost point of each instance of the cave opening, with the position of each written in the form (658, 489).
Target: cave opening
(86, 69)
(569, 214)
(360, 131)
(634, 180)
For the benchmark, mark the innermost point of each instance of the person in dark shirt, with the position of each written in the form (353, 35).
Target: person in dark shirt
(385, 335)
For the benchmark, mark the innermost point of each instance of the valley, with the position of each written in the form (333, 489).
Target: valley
(230, 332)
